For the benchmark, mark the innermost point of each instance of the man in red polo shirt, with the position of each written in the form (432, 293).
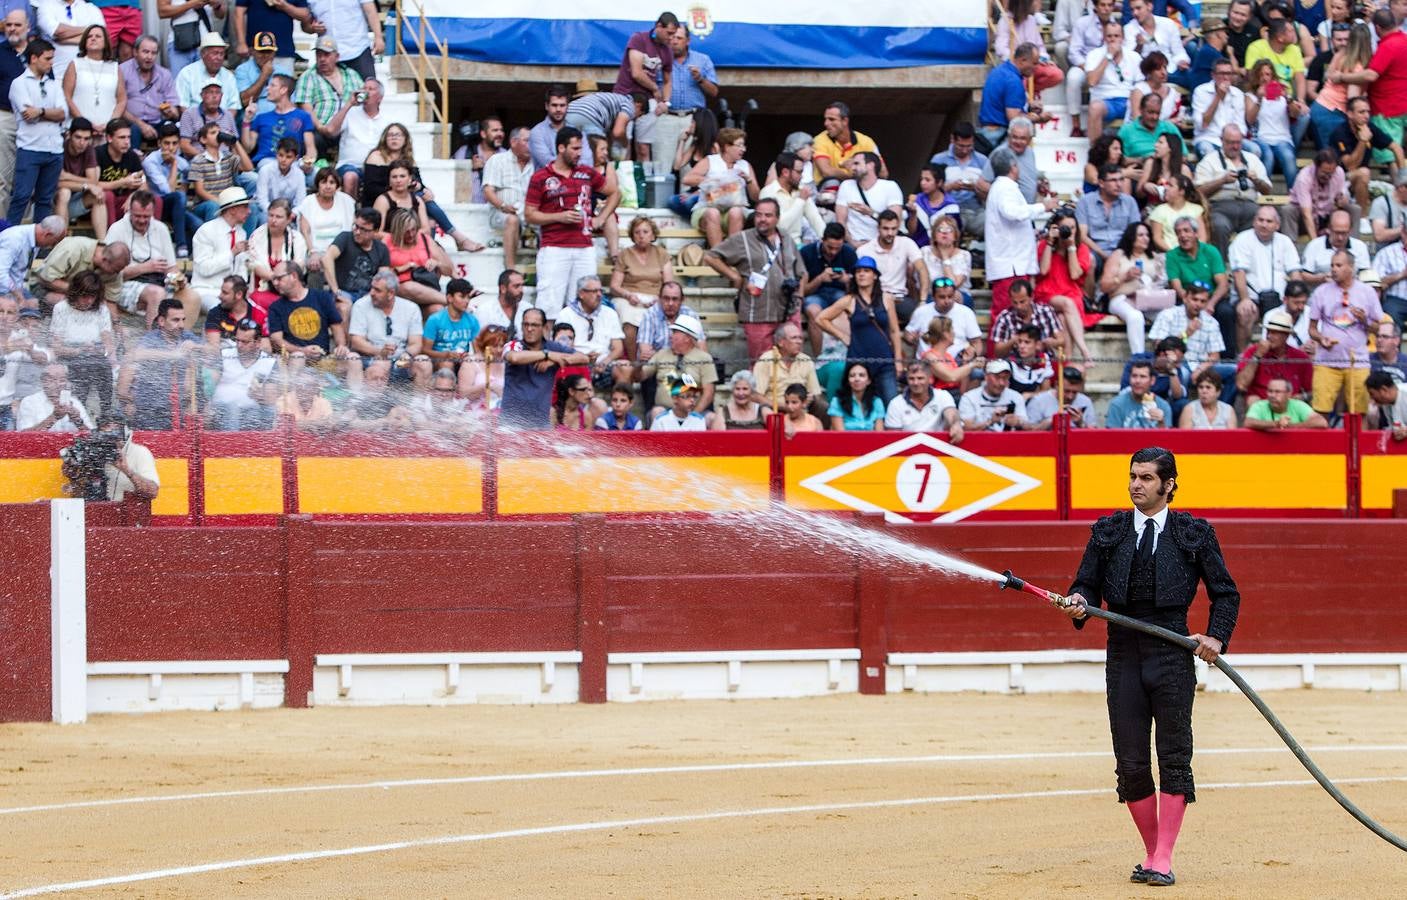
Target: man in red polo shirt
(560, 201)
(1386, 78)
(1274, 358)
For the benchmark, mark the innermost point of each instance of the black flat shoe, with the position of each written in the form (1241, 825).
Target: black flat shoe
(1158, 879)
(1139, 875)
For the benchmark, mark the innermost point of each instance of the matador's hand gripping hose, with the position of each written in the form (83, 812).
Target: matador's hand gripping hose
(1189, 644)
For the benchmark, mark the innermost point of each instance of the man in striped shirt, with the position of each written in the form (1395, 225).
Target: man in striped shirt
(216, 167)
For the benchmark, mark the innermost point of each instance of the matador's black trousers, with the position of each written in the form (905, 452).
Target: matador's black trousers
(1150, 681)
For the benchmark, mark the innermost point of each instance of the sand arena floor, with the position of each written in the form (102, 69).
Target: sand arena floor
(901, 796)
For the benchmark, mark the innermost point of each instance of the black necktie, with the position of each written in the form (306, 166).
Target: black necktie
(1145, 548)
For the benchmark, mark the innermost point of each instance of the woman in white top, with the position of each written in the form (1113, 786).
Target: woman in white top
(1273, 132)
(1134, 266)
(272, 243)
(945, 259)
(1155, 81)
(1208, 410)
(92, 87)
(324, 214)
(727, 185)
(81, 336)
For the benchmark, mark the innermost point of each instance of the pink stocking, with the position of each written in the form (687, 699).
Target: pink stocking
(1171, 808)
(1145, 816)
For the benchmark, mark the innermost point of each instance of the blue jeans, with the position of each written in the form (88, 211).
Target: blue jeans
(1283, 157)
(37, 178)
(206, 210)
(183, 222)
(440, 218)
(1326, 121)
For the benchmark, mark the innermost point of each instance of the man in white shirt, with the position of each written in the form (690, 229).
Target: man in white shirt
(19, 358)
(153, 255)
(597, 329)
(1260, 259)
(1391, 266)
(37, 100)
(1085, 35)
(217, 244)
(967, 334)
(993, 405)
(1215, 105)
(921, 408)
(1389, 212)
(794, 199)
(1112, 70)
(52, 407)
(506, 177)
(1319, 253)
(1009, 230)
(62, 24)
(864, 196)
(897, 256)
(1232, 181)
(237, 403)
(1146, 32)
(361, 130)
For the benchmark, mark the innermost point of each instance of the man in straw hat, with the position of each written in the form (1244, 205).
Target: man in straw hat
(210, 67)
(217, 244)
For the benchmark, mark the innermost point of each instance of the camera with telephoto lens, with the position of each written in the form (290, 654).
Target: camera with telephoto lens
(85, 462)
(790, 289)
(1243, 181)
(1065, 232)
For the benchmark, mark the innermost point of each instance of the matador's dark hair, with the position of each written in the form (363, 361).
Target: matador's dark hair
(1165, 462)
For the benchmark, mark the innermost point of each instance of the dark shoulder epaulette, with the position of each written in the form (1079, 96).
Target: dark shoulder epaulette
(1190, 532)
(1109, 530)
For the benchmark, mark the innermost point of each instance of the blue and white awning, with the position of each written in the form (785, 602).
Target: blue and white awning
(779, 34)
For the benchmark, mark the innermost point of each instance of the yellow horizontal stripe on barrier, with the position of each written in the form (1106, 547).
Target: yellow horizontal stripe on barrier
(174, 498)
(878, 483)
(1220, 481)
(375, 485)
(1381, 476)
(632, 484)
(27, 480)
(243, 485)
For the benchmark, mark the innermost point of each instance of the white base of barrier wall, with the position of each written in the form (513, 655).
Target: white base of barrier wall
(444, 679)
(160, 686)
(1049, 671)
(726, 675)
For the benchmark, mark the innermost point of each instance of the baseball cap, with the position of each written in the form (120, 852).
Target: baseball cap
(265, 40)
(997, 367)
(867, 262)
(680, 382)
(1279, 320)
(688, 325)
(214, 82)
(325, 44)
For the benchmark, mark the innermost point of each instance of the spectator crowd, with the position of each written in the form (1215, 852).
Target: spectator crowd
(226, 236)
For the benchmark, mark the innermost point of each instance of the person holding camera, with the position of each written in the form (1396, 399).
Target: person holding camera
(108, 465)
(1232, 181)
(1066, 273)
(327, 89)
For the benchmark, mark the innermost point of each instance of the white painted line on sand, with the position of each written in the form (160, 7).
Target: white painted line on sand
(663, 770)
(607, 825)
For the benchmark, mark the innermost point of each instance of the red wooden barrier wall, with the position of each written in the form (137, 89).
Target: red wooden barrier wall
(25, 668)
(599, 585)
